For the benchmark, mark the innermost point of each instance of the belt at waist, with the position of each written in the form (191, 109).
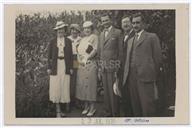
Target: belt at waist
(60, 58)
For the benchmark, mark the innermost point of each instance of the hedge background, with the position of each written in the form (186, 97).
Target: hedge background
(34, 32)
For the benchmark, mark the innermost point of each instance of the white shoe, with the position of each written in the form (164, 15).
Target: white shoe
(85, 111)
(91, 113)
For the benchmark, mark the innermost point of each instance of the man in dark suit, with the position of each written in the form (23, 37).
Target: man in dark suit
(128, 34)
(141, 69)
(109, 51)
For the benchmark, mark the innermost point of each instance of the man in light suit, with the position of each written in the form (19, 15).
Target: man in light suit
(109, 51)
(128, 33)
(141, 69)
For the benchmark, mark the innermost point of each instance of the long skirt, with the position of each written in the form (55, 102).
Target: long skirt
(59, 90)
(86, 88)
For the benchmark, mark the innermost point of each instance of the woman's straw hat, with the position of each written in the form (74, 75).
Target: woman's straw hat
(59, 25)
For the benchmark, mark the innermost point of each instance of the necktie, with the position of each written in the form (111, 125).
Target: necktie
(106, 33)
(135, 40)
(125, 39)
(136, 36)
(126, 36)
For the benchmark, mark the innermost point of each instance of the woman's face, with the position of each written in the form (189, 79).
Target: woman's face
(74, 32)
(62, 32)
(87, 31)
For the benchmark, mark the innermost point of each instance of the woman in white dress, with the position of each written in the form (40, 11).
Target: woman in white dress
(87, 71)
(60, 65)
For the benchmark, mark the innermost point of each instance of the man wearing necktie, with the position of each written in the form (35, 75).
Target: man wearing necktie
(128, 33)
(109, 52)
(141, 69)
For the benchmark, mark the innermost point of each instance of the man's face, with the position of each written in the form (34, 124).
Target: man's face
(106, 22)
(126, 24)
(137, 24)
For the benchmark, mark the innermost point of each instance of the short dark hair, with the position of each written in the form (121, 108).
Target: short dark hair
(139, 15)
(127, 16)
(106, 14)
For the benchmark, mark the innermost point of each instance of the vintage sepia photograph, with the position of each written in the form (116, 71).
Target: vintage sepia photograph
(95, 63)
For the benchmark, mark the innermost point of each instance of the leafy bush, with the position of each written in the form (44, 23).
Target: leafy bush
(34, 32)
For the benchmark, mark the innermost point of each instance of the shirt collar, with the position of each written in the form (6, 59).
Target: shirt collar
(139, 33)
(126, 34)
(108, 29)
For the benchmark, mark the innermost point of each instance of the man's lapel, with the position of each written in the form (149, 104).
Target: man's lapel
(122, 36)
(102, 40)
(131, 34)
(108, 36)
(141, 39)
(126, 68)
(129, 47)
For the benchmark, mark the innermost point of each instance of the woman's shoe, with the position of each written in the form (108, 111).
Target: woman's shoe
(85, 111)
(91, 113)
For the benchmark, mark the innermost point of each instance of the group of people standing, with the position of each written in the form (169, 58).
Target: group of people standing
(127, 63)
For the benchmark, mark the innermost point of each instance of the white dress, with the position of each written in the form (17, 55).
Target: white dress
(59, 90)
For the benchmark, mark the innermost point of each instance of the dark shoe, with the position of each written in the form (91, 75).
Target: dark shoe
(68, 108)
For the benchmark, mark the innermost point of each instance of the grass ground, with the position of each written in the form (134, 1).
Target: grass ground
(32, 99)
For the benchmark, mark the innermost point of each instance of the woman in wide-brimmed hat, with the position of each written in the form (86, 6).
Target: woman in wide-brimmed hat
(87, 71)
(75, 39)
(60, 64)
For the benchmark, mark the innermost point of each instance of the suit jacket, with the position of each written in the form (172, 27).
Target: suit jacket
(123, 55)
(109, 50)
(147, 57)
(124, 47)
(53, 56)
